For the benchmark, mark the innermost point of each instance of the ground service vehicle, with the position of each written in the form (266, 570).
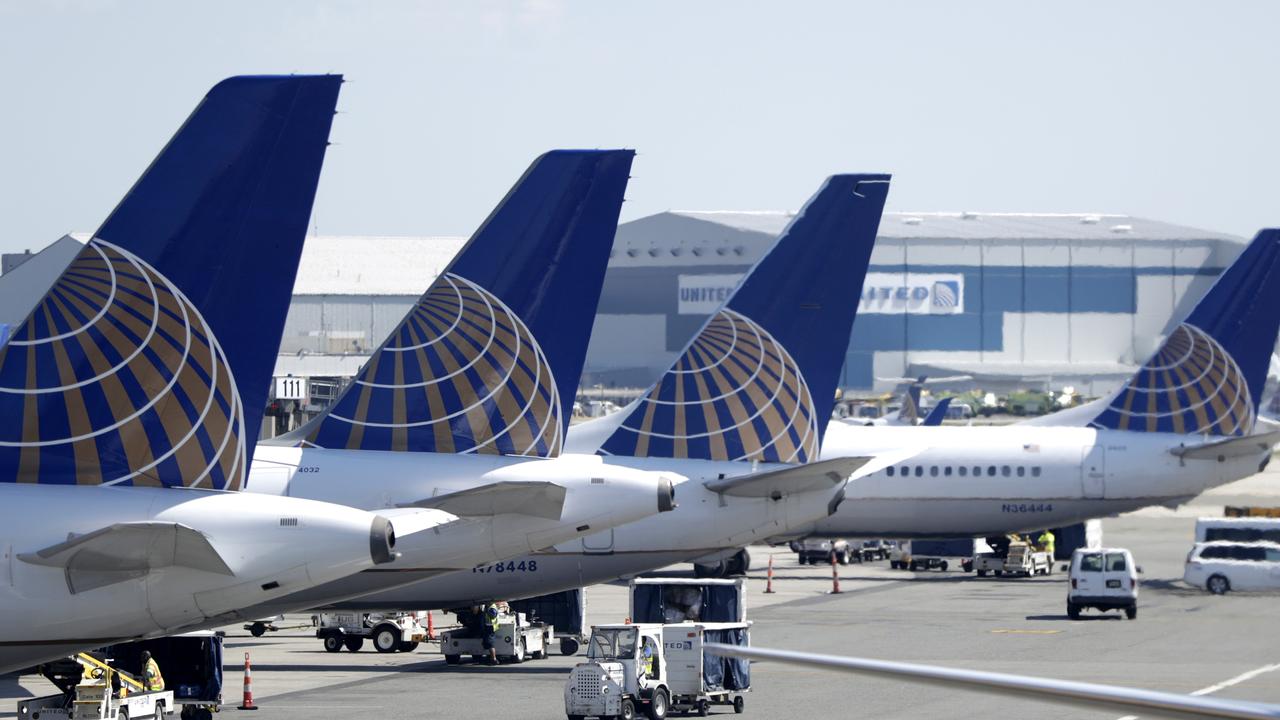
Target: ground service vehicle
(1024, 559)
(516, 640)
(1104, 579)
(98, 692)
(931, 554)
(1238, 529)
(1221, 566)
(389, 632)
(566, 611)
(816, 551)
(655, 668)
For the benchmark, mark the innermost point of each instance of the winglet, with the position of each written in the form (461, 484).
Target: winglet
(938, 413)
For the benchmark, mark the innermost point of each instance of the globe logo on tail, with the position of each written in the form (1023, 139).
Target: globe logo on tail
(461, 374)
(1191, 386)
(735, 394)
(117, 379)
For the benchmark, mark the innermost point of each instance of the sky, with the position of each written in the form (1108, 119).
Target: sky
(1162, 109)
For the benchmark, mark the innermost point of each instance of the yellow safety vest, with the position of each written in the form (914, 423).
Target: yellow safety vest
(493, 621)
(154, 680)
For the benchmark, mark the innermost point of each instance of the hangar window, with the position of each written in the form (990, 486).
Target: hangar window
(919, 471)
(991, 471)
(964, 471)
(889, 470)
(1035, 471)
(1005, 471)
(1022, 472)
(947, 471)
(933, 471)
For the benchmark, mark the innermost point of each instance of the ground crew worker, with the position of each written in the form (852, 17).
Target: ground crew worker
(152, 679)
(1046, 541)
(646, 660)
(491, 632)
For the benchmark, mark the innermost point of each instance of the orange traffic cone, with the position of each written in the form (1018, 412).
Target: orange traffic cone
(768, 586)
(431, 629)
(248, 686)
(835, 576)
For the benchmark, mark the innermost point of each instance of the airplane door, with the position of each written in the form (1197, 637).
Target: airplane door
(599, 543)
(1093, 471)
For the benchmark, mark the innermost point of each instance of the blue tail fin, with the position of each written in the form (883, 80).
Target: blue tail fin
(1208, 376)
(149, 360)
(758, 381)
(938, 413)
(491, 354)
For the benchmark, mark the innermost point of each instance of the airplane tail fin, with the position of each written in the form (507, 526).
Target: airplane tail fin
(758, 381)
(148, 361)
(910, 411)
(1208, 376)
(489, 358)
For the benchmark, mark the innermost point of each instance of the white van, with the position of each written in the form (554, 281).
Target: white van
(1102, 578)
(1222, 566)
(1238, 529)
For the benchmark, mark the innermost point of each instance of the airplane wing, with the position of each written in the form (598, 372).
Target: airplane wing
(1147, 703)
(125, 551)
(797, 479)
(534, 498)
(938, 412)
(1228, 447)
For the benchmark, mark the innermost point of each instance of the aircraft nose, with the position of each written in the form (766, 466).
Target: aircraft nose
(666, 495)
(382, 541)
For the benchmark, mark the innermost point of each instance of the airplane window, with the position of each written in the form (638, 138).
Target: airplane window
(889, 470)
(1004, 470)
(905, 470)
(991, 471)
(977, 471)
(1022, 471)
(1035, 471)
(919, 471)
(964, 471)
(946, 471)
(933, 471)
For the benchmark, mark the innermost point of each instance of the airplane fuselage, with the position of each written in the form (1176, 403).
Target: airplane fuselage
(979, 481)
(271, 546)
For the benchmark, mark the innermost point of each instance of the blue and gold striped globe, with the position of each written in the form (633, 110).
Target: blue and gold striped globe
(734, 394)
(461, 374)
(1191, 386)
(115, 378)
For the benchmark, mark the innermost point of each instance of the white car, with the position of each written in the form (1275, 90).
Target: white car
(1104, 579)
(1222, 566)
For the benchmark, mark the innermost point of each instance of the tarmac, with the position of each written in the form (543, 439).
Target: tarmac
(1184, 640)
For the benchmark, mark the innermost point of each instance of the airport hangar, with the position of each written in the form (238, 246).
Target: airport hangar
(1015, 300)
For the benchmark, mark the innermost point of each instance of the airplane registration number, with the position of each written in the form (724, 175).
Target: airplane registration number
(1026, 507)
(508, 567)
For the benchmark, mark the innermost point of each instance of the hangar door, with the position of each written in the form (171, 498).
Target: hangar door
(1093, 471)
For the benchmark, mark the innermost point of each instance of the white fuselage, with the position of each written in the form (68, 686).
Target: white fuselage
(703, 523)
(599, 496)
(43, 619)
(1028, 478)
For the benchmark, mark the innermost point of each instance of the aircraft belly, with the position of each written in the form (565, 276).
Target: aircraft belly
(916, 517)
(524, 577)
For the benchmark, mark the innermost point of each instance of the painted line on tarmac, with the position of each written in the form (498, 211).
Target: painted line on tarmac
(1012, 631)
(1242, 677)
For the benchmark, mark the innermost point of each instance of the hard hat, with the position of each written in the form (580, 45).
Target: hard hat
(648, 650)
(493, 611)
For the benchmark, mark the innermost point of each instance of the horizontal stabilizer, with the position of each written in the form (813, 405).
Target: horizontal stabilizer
(125, 551)
(533, 498)
(1147, 703)
(792, 480)
(1228, 448)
